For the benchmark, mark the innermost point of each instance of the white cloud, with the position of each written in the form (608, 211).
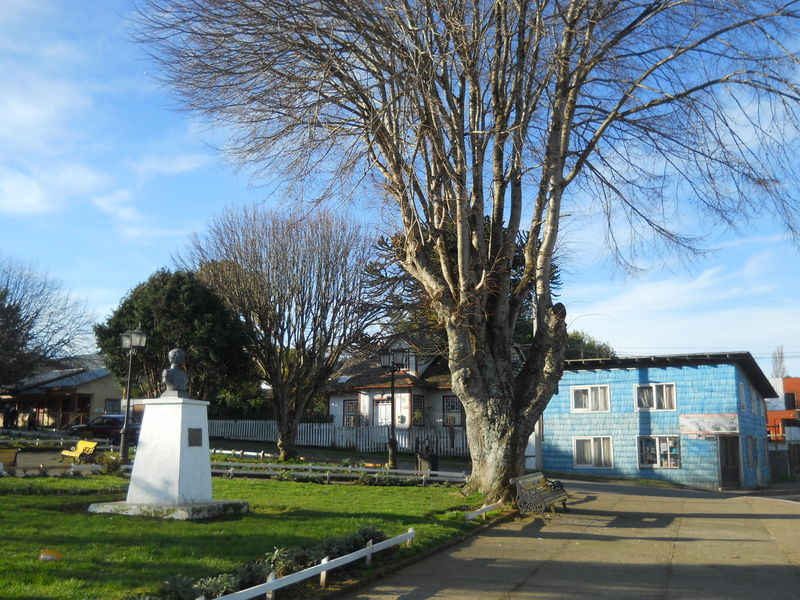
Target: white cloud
(39, 190)
(750, 306)
(118, 204)
(171, 165)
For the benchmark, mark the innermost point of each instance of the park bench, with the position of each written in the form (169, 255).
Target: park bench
(82, 452)
(8, 457)
(536, 494)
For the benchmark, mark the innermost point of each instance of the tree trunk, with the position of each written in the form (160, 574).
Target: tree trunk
(287, 435)
(503, 404)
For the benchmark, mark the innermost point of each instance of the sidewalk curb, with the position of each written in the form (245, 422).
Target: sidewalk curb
(381, 572)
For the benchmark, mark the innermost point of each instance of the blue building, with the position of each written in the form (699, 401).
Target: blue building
(697, 419)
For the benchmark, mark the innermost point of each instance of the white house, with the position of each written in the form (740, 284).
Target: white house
(361, 393)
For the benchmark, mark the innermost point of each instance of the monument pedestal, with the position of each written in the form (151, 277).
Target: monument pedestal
(171, 477)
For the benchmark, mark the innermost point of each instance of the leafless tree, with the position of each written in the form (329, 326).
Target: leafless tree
(779, 363)
(41, 325)
(522, 111)
(300, 287)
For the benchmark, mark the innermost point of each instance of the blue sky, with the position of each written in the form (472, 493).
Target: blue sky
(101, 181)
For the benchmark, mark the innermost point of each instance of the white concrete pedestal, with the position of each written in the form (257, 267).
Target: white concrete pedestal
(171, 475)
(172, 458)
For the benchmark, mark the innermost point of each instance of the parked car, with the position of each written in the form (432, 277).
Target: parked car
(106, 426)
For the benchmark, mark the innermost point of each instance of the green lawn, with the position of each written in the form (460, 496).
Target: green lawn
(114, 557)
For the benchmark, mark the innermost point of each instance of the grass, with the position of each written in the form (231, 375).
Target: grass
(115, 557)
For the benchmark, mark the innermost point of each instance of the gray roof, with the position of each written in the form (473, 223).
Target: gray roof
(68, 378)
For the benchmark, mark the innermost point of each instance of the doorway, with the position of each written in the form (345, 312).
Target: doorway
(729, 461)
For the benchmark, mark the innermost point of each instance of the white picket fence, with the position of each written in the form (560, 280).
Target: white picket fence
(447, 441)
(321, 569)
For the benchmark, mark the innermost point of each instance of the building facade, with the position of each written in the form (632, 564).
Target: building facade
(698, 420)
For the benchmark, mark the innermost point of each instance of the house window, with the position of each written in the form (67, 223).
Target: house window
(418, 411)
(113, 406)
(592, 398)
(351, 413)
(742, 398)
(660, 452)
(790, 400)
(655, 396)
(453, 412)
(593, 452)
(753, 401)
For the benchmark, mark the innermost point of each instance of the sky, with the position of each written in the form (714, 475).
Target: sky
(102, 179)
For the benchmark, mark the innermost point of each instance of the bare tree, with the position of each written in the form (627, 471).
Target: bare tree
(779, 363)
(521, 111)
(41, 325)
(300, 288)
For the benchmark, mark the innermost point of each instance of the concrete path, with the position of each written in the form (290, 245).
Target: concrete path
(620, 542)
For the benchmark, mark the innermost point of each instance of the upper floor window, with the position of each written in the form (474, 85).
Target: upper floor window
(592, 398)
(655, 396)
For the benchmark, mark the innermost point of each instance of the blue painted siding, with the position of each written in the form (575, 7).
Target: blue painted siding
(699, 390)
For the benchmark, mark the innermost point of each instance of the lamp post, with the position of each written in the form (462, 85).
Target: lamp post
(130, 340)
(392, 361)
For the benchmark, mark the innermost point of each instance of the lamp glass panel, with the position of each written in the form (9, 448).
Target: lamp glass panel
(399, 357)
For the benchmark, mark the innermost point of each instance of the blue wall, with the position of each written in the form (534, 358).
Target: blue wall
(705, 389)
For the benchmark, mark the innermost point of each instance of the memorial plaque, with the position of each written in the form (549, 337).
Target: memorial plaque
(195, 436)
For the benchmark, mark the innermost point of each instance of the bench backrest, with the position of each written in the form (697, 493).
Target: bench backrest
(528, 480)
(8, 456)
(85, 447)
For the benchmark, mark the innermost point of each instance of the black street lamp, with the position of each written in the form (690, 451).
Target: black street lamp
(393, 360)
(130, 340)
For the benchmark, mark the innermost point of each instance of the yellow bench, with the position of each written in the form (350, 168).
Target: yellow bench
(8, 456)
(82, 452)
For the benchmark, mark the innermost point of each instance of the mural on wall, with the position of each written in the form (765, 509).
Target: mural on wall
(708, 424)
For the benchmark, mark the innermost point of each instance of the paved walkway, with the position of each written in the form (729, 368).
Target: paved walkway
(620, 542)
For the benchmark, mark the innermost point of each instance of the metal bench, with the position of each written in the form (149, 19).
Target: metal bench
(83, 452)
(536, 494)
(8, 458)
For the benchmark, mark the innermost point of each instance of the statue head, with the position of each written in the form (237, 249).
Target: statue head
(176, 357)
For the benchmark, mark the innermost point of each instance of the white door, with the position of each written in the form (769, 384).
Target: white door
(383, 412)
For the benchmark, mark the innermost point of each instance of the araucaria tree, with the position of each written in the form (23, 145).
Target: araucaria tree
(299, 286)
(521, 111)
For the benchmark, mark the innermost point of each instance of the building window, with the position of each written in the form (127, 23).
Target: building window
(790, 400)
(593, 452)
(660, 452)
(593, 398)
(351, 413)
(751, 451)
(453, 411)
(418, 411)
(113, 406)
(655, 396)
(742, 398)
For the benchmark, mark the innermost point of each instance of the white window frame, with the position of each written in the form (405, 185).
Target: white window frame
(595, 443)
(660, 442)
(452, 417)
(654, 387)
(591, 394)
(350, 411)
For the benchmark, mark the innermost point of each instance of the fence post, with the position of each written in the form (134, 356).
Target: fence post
(323, 577)
(270, 595)
(410, 530)
(369, 553)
